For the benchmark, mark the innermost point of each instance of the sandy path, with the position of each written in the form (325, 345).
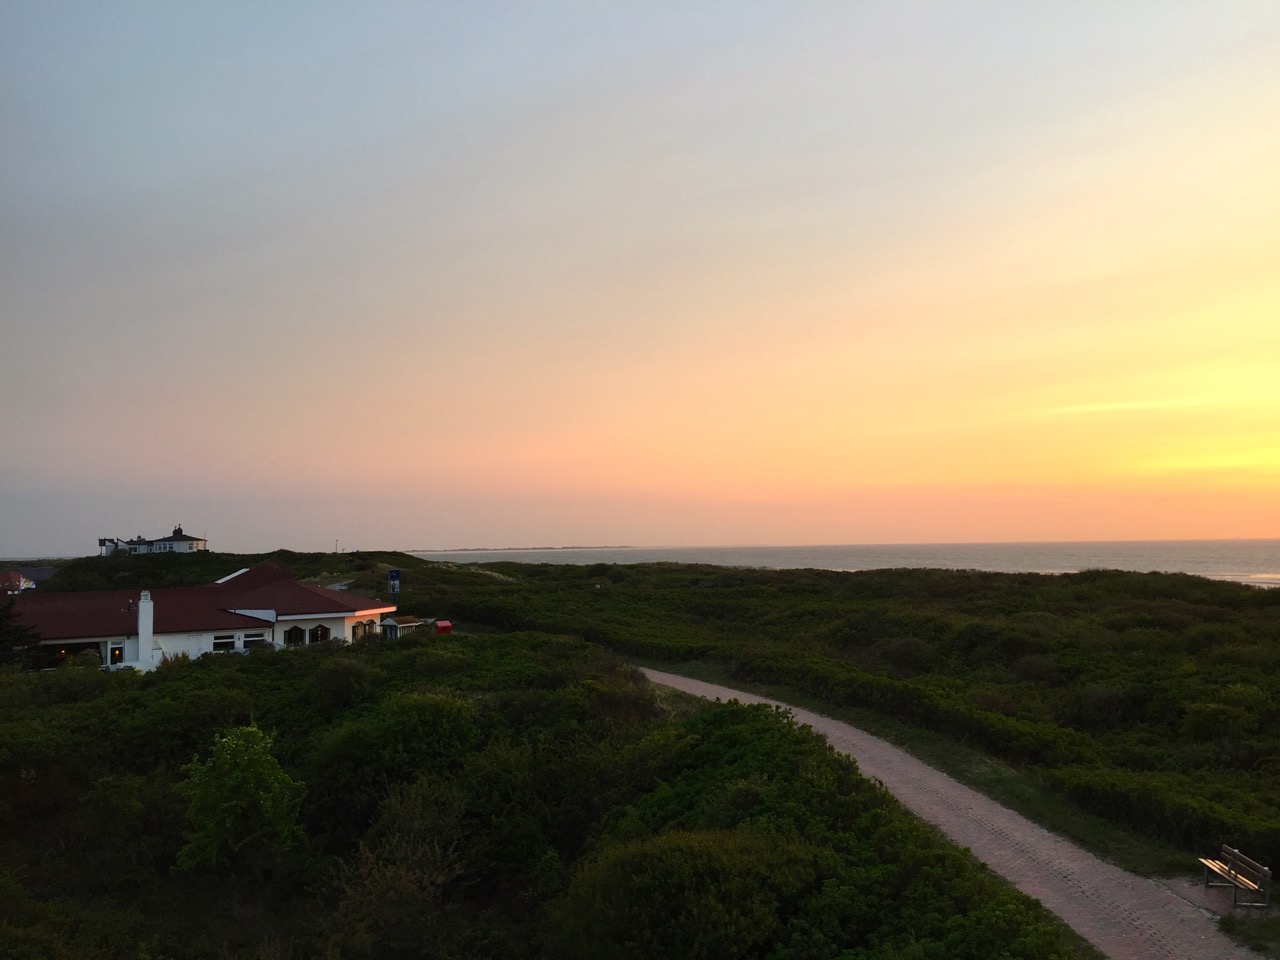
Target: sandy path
(1125, 916)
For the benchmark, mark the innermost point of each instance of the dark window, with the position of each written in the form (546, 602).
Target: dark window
(252, 640)
(117, 654)
(318, 634)
(294, 637)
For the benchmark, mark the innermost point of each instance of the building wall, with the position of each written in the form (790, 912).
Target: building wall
(340, 628)
(152, 546)
(170, 645)
(147, 654)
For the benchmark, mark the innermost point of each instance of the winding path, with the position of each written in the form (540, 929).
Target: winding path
(1125, 916)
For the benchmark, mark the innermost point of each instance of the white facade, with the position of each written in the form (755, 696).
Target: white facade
(140, 655)
(147, 650)
(177, 542)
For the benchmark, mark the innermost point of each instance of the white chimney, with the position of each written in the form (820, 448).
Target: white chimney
(146, 626)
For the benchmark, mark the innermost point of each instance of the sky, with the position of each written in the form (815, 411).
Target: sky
(429, 275)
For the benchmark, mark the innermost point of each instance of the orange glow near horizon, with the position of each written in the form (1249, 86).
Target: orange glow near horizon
(669, 288)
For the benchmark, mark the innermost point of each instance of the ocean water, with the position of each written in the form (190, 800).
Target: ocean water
(1254, 562)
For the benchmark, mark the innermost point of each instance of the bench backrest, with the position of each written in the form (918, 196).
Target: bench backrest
(1241, 864)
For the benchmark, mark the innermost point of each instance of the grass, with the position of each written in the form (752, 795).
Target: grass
(1260, 933)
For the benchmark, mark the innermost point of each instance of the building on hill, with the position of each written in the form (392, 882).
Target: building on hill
(262, 606)
(176, 542)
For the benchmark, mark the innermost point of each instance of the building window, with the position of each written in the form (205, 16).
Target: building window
(117, 654)
(254, 640)
(318, 634)
(224, 642)
(294, 637)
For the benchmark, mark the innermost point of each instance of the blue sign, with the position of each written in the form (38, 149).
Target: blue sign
(393, 574)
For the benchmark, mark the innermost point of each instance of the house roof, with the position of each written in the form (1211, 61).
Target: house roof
(114, 613)
(178, 537)
(256, 576)
(269, 586)
(292, 598)
(110, 613)
(403, 621)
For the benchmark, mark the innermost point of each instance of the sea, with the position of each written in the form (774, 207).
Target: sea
(1254, 562)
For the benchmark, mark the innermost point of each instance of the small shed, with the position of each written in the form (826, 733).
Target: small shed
(442, 627)
(393, 627)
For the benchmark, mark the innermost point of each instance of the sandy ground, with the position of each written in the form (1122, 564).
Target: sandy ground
(1125, 916)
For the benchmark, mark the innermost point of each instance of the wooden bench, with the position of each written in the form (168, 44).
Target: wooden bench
(1241, 874)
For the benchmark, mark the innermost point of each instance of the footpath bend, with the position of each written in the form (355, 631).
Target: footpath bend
(1125, 916)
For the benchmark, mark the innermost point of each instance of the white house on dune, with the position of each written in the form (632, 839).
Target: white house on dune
(262, 606)
(176, 542)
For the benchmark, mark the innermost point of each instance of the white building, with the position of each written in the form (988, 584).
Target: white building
(176, 542)
(396, 627)
(257, 607)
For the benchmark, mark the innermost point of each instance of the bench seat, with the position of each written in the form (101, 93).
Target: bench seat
(1241, 874)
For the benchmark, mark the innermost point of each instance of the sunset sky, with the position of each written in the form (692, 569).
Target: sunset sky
(439, 275)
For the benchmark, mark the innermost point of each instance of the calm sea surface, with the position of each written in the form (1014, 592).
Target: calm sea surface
(1247, 561)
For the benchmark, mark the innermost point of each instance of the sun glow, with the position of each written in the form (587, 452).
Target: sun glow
(898, 272)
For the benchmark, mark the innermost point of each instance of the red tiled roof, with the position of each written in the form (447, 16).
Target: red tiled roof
(256, 576)
(111, 613)
(114, 613)
(269, 586)
(292, 598)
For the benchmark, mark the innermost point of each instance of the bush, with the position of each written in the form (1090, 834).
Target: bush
(709, 895)
(242, 808)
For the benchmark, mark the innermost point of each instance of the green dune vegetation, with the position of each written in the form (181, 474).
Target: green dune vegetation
(518, 790)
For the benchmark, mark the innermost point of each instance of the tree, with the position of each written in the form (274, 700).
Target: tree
(242, 807)
(17, 640)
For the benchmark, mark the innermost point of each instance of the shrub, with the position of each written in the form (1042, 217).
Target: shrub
(242, 808)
